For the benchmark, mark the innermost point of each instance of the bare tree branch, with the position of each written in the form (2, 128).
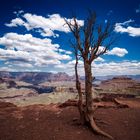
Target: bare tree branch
(88, 42)
(75, 29)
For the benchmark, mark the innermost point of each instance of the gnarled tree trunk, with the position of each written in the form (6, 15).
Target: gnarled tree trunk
(88, 86)
(78, 87)
(88, 40)
(89, 110)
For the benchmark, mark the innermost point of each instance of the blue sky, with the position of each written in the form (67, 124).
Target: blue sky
(34, 37)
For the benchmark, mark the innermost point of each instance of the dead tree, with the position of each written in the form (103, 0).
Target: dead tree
(89, 39)
(78, 84)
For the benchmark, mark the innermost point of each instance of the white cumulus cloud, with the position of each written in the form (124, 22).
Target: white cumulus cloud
(132, 31)
(115, 51)
(31, 51)
(44, 25)
(117, 68)
(102, 69)
(36, 51)
(118, 52)
(99, 59)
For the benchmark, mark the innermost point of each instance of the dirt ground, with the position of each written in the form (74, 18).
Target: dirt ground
(42, 122)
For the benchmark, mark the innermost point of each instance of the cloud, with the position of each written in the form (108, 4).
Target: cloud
(109, 12)
(69, 67)
(115, 51)
(118, 52)
(44, 25)
(32, 51)
(19, 64)
(18, 12)
(99, 59)
(117, 68)
(29, 53)
(102, 69)
(5, 68)
(106, 20)
(138, 9)
(14, 55)
(132, 31)
(15, 22)
(64, 51)
(98, 69)
(36, 51)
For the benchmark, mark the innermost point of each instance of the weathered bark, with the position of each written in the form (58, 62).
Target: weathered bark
(88, 85)
(97, 129)
(89, 110)
(78, 87)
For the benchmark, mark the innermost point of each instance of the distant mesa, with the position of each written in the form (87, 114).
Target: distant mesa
(121, 78)
(37, 77)
(41, 77)
(119, 85)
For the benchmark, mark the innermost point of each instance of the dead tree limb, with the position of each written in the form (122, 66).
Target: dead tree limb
(89, 40)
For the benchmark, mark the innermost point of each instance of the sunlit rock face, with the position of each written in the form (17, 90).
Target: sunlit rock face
(37, 77)
(120, 85)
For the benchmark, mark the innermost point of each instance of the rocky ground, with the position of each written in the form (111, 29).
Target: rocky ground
(50, 122)
(41, 117)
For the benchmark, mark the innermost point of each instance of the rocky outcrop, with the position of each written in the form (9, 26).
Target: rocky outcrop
(1, 80)
(8, 82)
(66, 89)
(37, 77)
(11, 84)
(122, 85)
